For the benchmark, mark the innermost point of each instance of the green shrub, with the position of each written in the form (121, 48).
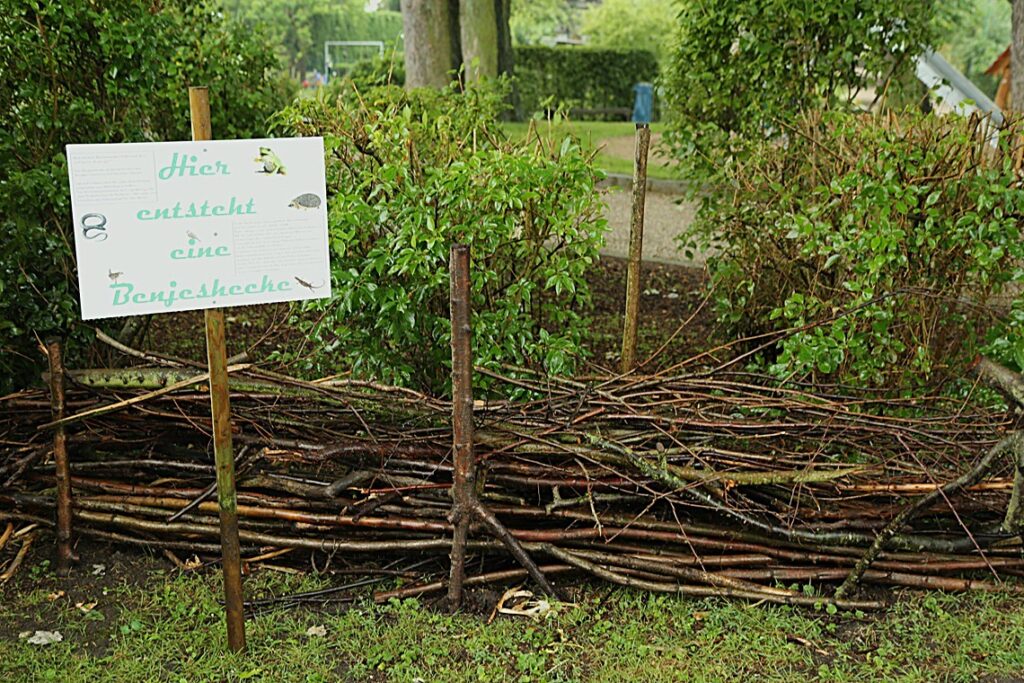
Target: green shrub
(368, 73)
(898, 231)
(408, 173)
(741, 68)
(580, 77)
(89, 72)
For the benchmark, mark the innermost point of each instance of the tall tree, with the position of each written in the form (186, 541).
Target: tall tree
(442, 35)
(478, 33)
(429, 56)
(1017, 57)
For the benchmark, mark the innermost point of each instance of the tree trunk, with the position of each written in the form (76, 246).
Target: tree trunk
(506, 60)
(1017, 57)
(478, 30)
(428, 43)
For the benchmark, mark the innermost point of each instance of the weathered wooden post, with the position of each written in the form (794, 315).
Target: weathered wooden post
(636, 241)
(65, 556)
(462, 418)
(216, 353)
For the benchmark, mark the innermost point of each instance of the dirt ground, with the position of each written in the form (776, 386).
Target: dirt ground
(671, 313)
(665, 214)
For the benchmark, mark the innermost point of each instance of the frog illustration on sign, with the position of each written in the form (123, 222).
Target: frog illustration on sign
(270, 163)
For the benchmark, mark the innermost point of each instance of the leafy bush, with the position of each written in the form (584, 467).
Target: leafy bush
(581, 77)
(740, 68)
(896, 231)
(370, 73)
(408, 173)
(83, 71)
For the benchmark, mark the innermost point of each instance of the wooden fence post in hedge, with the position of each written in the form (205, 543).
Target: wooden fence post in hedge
(462, 419)
(199, 106)
(466, 506)
(636, 243)
(62, 468)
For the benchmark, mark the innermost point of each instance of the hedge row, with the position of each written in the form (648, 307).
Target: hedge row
(580, 77)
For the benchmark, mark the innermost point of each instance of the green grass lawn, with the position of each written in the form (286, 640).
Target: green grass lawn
(153, 623)
(594, 135)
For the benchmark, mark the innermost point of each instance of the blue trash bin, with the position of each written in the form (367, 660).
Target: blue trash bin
(643, 105)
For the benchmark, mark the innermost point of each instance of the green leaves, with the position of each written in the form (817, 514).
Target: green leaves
(895, 241)
(742, 69)
(408, 175)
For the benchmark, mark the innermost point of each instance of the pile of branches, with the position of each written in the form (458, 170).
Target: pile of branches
(718, 484)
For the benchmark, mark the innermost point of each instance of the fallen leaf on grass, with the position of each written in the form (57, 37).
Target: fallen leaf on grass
(86, 607)
(55, 596)
(316, 631)
(521, 603)
(42, 637)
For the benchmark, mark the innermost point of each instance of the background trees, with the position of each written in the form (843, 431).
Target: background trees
(443, 35)
(633, 24)
(297, 29)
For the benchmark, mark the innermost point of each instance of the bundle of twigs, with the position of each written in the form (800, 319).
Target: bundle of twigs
(723, 484)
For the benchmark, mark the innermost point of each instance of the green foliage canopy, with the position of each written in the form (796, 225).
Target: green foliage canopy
(897, 231)
(297, 29)
(741, 68)
(85, 71)
(977, 31)
(408, 174)
(533, 21)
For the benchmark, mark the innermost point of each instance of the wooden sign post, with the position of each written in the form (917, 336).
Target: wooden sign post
(631, 320)
(217, 358)
(62, 467)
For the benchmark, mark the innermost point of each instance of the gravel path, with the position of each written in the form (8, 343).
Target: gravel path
(664, 218)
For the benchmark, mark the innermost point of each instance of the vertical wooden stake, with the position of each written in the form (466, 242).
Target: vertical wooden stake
(636, 244)
(65, 556)
(463, 493)
(216, 353)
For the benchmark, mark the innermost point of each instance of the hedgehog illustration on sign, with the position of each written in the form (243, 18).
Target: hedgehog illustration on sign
(270, 162)
(306, 201)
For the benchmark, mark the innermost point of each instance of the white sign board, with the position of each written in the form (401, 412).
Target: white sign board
(176, 226)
